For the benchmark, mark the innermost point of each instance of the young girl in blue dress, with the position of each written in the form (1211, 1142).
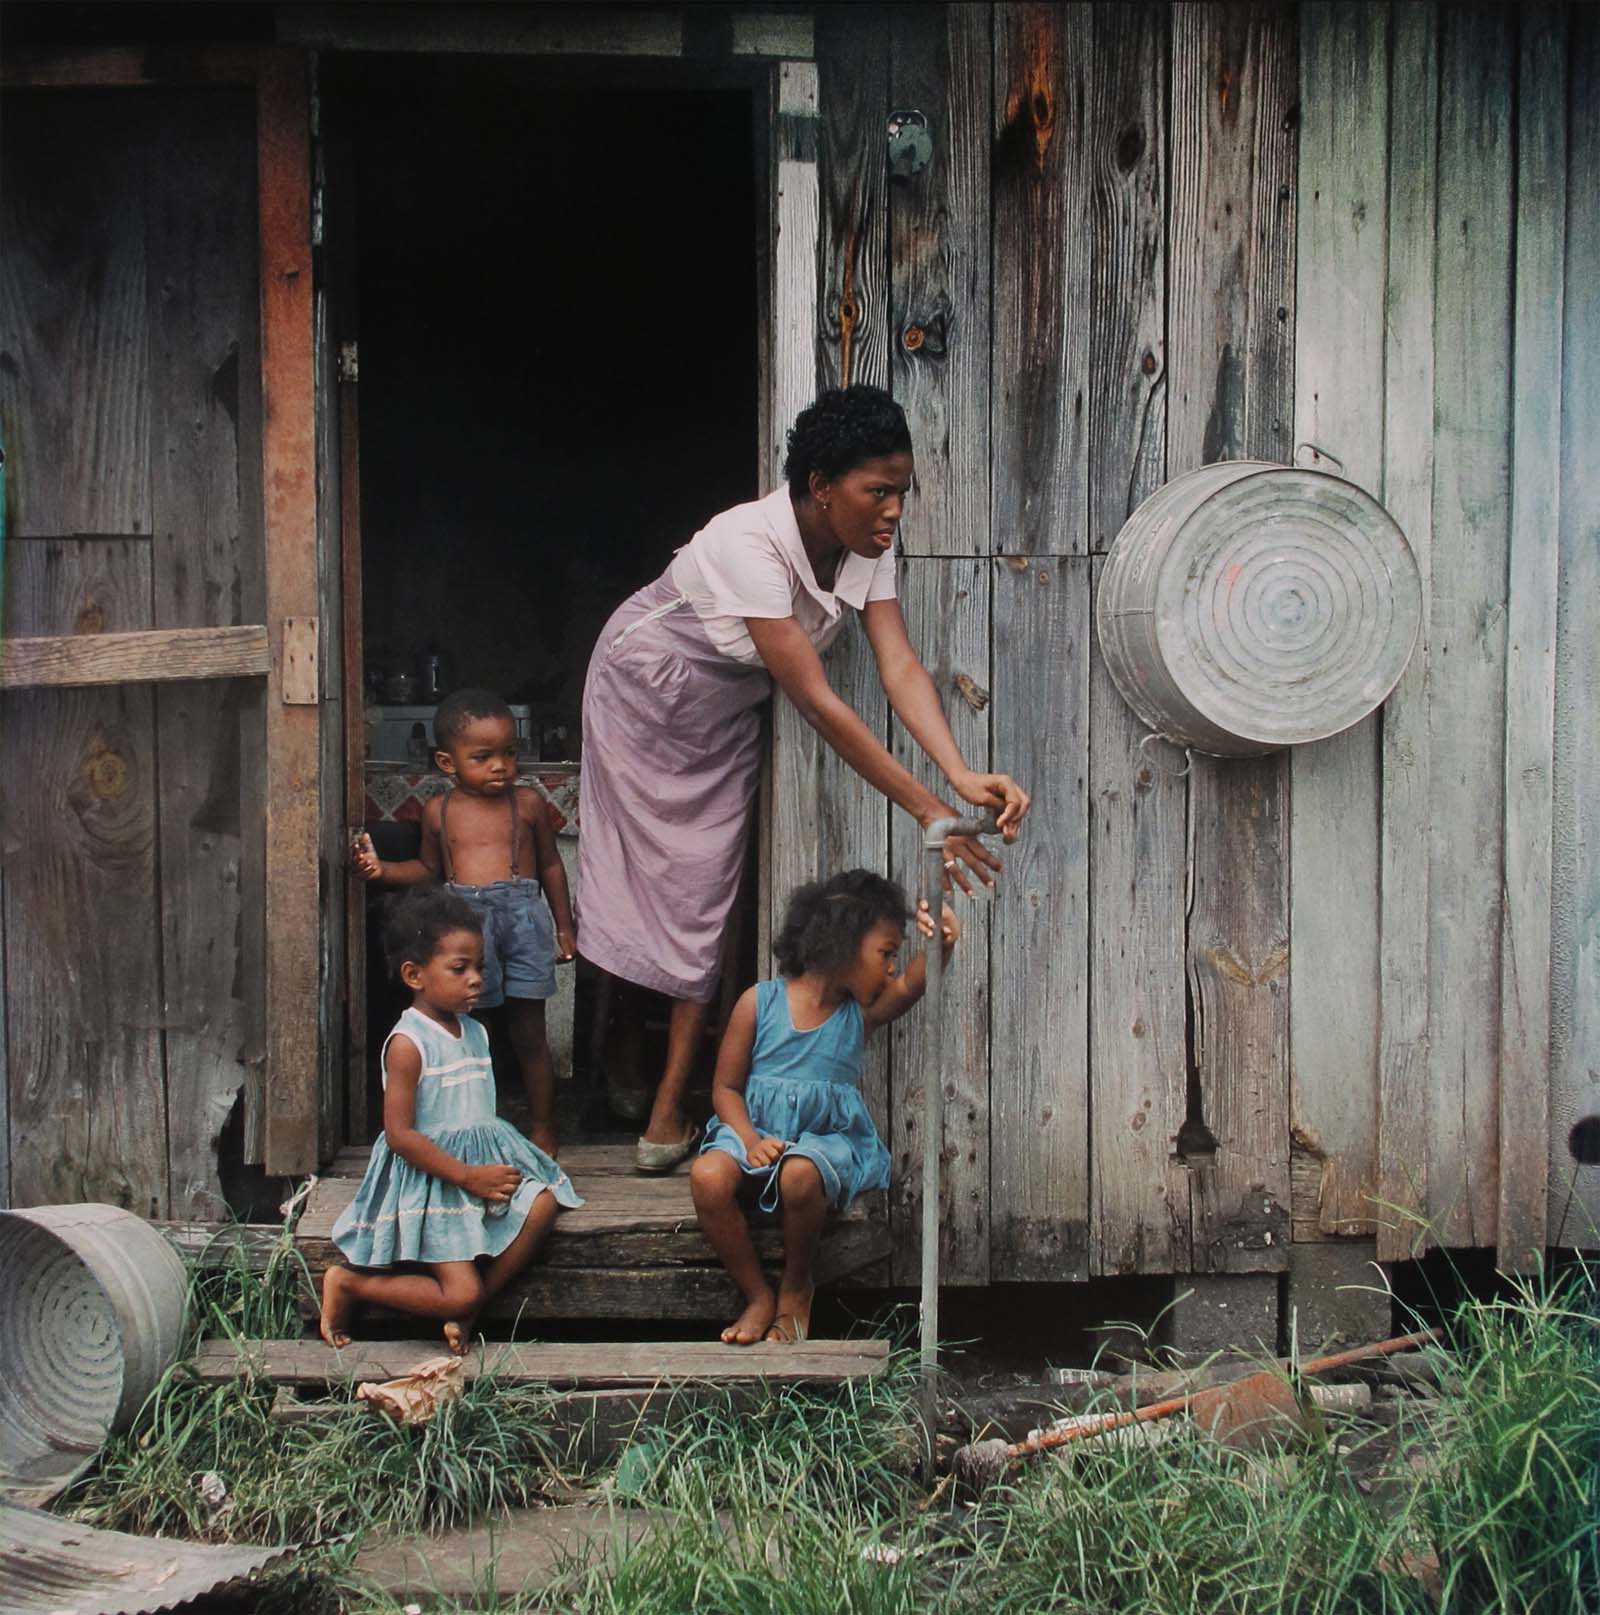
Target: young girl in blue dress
(456, 1196)
(792, 1129)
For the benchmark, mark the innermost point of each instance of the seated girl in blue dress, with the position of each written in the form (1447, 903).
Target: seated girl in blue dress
(792, 1129)
(453, 1196)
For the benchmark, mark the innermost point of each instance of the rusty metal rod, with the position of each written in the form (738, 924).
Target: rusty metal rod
(1177, 1404)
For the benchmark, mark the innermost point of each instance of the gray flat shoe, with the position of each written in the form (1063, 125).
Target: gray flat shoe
(655, 1159)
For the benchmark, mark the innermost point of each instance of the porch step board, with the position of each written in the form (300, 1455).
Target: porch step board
(632, 1250)
(586, 1366)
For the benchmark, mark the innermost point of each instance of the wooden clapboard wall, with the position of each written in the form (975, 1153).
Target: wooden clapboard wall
(1217, 1008)
(129, 395)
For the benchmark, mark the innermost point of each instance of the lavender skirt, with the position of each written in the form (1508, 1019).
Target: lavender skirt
(671, 753)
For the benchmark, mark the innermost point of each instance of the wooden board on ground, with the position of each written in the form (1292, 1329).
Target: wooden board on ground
(586, 1365)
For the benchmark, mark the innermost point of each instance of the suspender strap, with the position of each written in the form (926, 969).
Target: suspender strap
(444, 832)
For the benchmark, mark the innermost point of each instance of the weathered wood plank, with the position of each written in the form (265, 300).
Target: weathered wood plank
(946, 603)
(137, 657)
(1467, 707)
(789, 829)
(1341, 257)
(76, 389)
(202, 256)
(83, 1019)
(1138, 1035)
(1532, 607)
(1127, 138)
(290, 529)
(825, 817)
(1040, 280)
(1231, 339)
(537, 30)
(336, 908)
(1408, 387)
(1575, 970)
(1039, 938)
(853, 291)
(941, 63)
(589, 1365)
(1138, 1052)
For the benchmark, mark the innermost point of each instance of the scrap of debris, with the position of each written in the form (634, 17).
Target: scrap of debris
(49, 1565)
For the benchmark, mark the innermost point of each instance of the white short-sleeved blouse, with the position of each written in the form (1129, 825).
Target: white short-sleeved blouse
(751, 562)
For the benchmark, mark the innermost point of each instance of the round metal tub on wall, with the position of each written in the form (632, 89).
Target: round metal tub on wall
(1248, 606)
(92, 1301)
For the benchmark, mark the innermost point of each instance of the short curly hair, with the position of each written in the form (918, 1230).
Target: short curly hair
(827, 919)
(460, 708)
(417, 921)
(845, 426)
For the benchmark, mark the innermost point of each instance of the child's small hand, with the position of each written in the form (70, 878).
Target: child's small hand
(949, 925)
(492, 1183)
(766, 1151)
(368, 864)
(566, 944)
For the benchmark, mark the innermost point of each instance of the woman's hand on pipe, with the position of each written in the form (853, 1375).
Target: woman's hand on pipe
(965, 857)
(997, 791)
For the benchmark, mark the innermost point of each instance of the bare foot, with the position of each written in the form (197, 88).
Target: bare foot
(752, 1323)
(335, 1320)
(793, 1321)
(545, 1138)
(458, 1336)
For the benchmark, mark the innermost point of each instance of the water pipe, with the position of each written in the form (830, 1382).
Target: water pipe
(932, 892)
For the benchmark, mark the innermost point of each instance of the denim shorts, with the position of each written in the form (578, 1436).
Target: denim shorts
(519, 940)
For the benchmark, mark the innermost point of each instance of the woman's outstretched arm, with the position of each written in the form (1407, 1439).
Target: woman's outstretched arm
(793, 662)
(916, 704)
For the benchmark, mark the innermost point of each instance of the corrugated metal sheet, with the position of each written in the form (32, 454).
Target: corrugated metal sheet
(51, 1566)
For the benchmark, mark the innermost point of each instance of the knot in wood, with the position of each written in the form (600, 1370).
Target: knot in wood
(913, 338)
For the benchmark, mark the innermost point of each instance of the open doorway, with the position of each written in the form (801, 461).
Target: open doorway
(553, 272)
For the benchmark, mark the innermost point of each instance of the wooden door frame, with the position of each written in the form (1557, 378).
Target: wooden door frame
(284, 648)
(788, 206)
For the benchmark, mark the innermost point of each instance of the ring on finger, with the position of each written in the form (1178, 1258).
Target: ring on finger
(949, 863)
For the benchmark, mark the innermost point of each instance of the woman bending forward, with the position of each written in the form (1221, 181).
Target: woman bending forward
(672, 732)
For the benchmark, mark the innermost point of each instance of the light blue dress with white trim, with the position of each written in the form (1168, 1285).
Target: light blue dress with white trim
(401, 1214)
(805, 1088)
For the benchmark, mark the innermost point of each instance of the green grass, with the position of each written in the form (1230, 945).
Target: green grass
(804, 1501)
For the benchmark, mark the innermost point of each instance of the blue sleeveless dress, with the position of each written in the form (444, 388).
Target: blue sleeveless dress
(402, 1215)
(805, 1088)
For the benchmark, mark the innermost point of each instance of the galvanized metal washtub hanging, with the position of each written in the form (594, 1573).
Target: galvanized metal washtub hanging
(1247, 606)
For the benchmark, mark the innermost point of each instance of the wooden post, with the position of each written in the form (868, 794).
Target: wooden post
(289, 493)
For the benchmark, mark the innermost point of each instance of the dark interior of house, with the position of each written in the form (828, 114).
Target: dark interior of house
(554, 276)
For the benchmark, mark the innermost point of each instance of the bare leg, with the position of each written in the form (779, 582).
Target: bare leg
(805, 1205)
(714, 1182)
(501, 1269)
(445, 1290)
(525, 1024)
(667, 1122)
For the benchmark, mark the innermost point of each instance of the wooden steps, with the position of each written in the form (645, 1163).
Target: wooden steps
(587, 1366)
(633, 1250)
